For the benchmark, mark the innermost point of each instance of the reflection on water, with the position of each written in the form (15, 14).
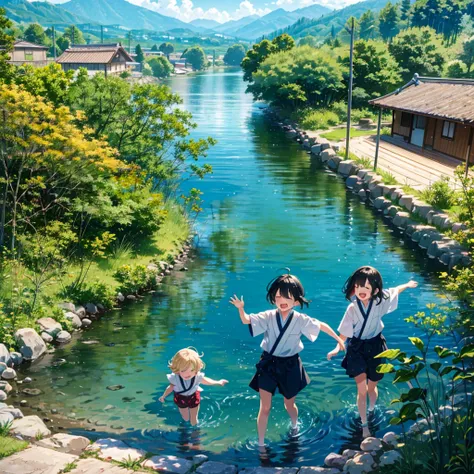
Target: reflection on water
(266, 206)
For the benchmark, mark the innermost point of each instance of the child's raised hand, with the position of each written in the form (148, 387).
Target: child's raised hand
(162, 399)
(236, 302)
(412, 284)
(333, 353)
(222, 382)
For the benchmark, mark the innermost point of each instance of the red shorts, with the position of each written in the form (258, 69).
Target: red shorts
(191, 401)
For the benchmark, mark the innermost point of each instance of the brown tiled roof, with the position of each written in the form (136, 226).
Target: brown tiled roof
(27, 44)
(451, 99)
(91, 55)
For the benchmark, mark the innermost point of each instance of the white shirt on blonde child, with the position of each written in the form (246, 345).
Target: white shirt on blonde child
(270, 324)
(353, 318)
(186, 387)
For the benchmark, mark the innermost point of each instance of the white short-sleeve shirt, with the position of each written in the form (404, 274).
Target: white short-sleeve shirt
(186, 387)
(296, 325)
(353, 318)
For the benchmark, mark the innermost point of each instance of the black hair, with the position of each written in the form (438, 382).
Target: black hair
(288, 285)
(359, 277)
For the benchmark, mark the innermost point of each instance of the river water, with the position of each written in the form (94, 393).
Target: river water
(267, 205)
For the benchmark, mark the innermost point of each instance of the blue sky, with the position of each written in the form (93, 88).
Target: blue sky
(225, 10)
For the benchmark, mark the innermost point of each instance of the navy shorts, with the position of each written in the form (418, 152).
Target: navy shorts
(360, 357)
(286, 374)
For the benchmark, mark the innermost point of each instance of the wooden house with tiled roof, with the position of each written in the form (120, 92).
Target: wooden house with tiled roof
(106, 58)
(25, 52)
(434, 114)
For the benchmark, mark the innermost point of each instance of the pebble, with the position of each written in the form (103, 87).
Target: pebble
(23, 403)
(9, 374)
(32, 392)
(27, 380)
(115, 387)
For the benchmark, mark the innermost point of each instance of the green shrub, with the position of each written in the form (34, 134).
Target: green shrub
(320, 119)
(388, 177)
(386, 131)
(96, 292)
(9, 446)
(134, 279)
(439, 194)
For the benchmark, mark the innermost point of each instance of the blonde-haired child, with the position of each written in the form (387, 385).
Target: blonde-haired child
(186, 376)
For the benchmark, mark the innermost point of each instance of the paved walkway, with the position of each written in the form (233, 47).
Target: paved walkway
(409, 164)
(37, 460)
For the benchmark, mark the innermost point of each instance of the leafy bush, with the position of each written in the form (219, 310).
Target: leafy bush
(319, 119)
(134, 279)
(439, 194)
(96, 292)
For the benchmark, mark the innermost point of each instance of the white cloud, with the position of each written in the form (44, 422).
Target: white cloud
(185, 10)
(282, 3)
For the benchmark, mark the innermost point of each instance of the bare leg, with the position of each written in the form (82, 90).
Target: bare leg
(263, 414)
(194, 415)
(373, 393)
(361, 381)
(292, 410)
(184, 413)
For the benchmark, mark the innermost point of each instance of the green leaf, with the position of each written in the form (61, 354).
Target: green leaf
(442, 352)
(404, 375)
(468, 376)
(385, 369)
(418, 343)
(467, 351)
(388, 354)
(447, 370)
(408, 411)
(412, 395)
(436, 366)
(395, 420)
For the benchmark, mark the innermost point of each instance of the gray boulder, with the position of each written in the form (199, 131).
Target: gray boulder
(395, 196)
(91, 308)
(65, 443)
(351, 181)
(6, 418)
(31, 345)
(29, 427)
(376, 191)
(168, 464)
(420, 230)
(389, 458)
(46, 337)
(327, 154)
(316, 149)
(50, 326)
(381, 203)
(335, 460)
(362, 195)
(67, 307)
(361, 173)
(86, 322)
(81, 312)
(346, 168)
(5, 355)
(401, 219)
(406, 201)
(3, 396)
(9, 374)
(63, 337)
(5, 386)
(429, 237)
(333, 163)
(360, 464)
(371, 444)
(74, 318)
(17, 358)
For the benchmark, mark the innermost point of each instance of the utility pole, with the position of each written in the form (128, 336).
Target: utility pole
(73, 39)
(129, 42)
(213, 57)
(101, 34)
(349, 98)
(54, 42)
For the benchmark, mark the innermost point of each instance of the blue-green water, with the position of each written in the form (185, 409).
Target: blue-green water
(266, 206)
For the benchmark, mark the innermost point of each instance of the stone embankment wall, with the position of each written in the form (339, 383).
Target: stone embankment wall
(416, 219)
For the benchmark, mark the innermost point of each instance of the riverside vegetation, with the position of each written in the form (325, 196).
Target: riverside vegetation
(90, 169)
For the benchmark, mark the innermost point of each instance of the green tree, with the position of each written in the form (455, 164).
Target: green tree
(405, 6)
(375, 70)
(35, 34)
(144, 124)
(234, 55)
(308, 40)
(456, 68)
(63, 43)
(196, 57)
(154, 47)
(140, 57)
(6, 47)
(72, 32)
(344, 34)
(262, 50)
(368, 25)
(467, 53)
(389, 21)
(418, 50)
(166, 49)
(50, 82)
(302, 75)
(160, 66)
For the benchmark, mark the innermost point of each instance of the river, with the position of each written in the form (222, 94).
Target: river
(267, 205)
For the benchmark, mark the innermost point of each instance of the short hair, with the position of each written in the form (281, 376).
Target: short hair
(288, 285)
(359, 277)
(186, 358)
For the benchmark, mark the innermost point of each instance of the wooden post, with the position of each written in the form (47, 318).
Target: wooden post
(379, 122)
(54, 43)
(349, 98)
(101, 34)
(468, 152)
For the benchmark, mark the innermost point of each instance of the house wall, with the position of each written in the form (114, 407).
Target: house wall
(18, 56)
(456, 147)
(397, 127)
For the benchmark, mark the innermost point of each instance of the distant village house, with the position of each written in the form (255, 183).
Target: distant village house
(106, 58)
(25, 52)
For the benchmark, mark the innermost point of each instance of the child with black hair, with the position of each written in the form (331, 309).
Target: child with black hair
(280, 365)
(362, 327)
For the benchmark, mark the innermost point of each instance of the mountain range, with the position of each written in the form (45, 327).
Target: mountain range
(318, 19)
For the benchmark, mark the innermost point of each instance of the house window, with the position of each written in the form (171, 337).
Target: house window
(420, 121)
(448, 129)
(28, 56)
(405, 120)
